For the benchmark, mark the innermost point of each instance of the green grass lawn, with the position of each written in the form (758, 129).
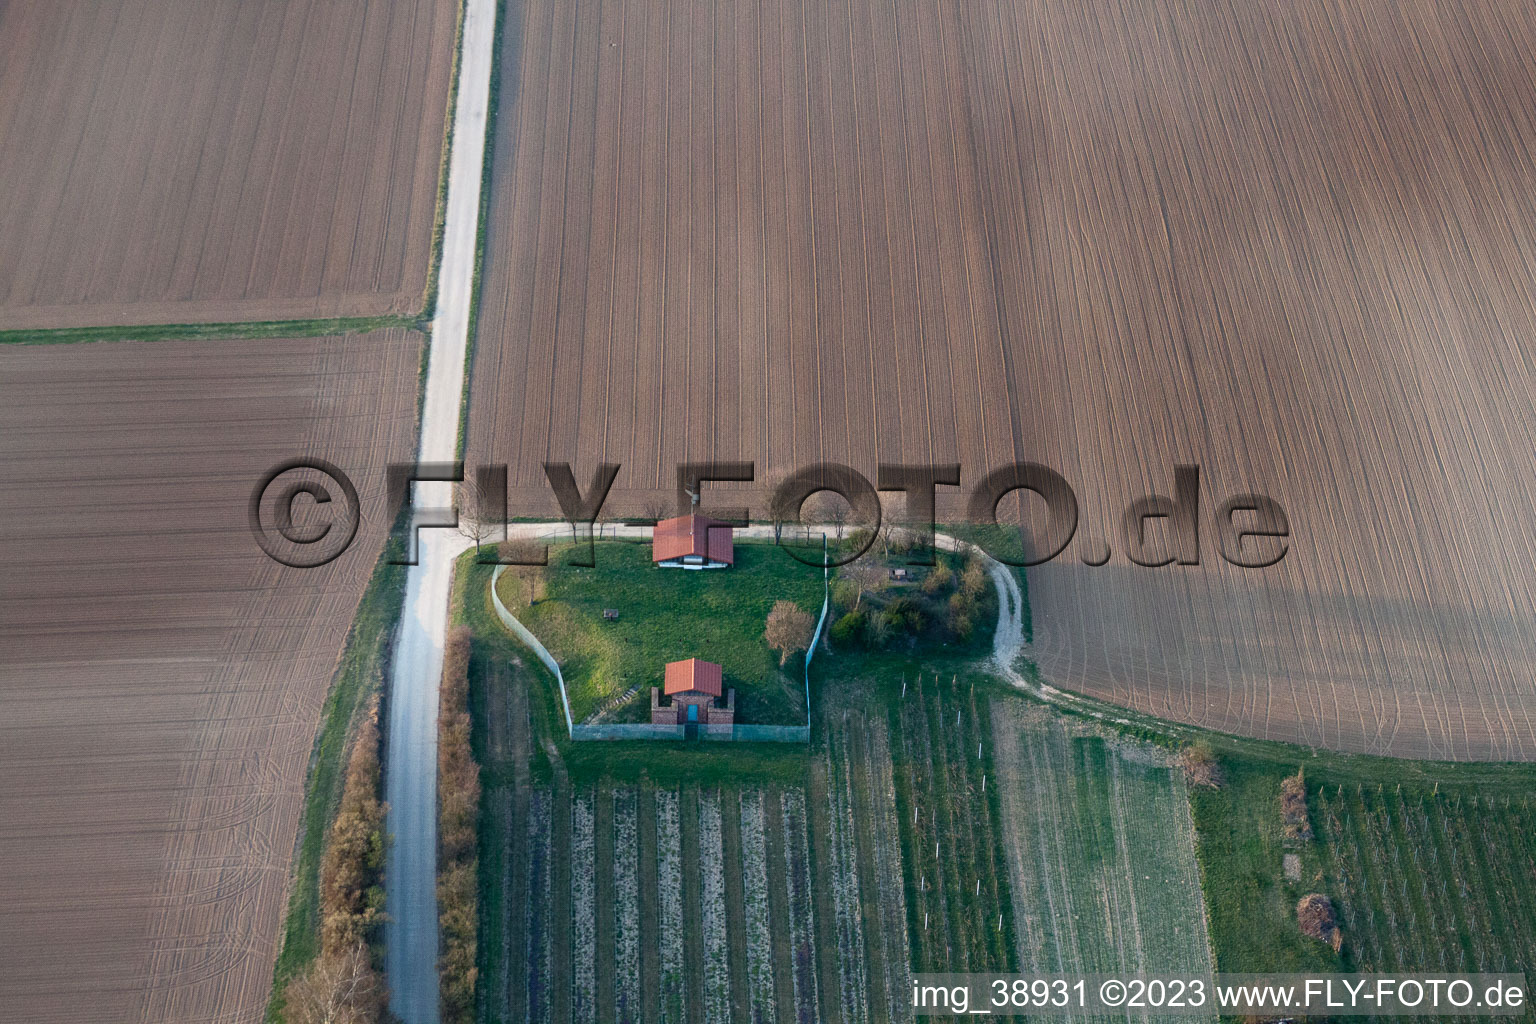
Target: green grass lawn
(1250, 904)
(668, 615)
(1425, 874)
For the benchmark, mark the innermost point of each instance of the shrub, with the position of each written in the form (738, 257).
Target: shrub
(339, 988)
(877, 631)
(961, 616)
(342, 986)
(846, 595)
(1293, 808)
(974, 579)
(849, 629)
(789, 629)
(354, 853)
(1315, 915)
(905, 615)
(458, 795)
(1200, 766)
(939, 580)
(960, 625)
(457, 918)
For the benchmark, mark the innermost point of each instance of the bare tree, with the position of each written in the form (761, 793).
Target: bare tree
(831, 507)
(789, 630)
(866, 575)
(339, 989)
(781, 510)
(475, 515)
(656, 510)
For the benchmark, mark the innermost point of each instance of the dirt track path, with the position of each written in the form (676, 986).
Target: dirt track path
(410, 773)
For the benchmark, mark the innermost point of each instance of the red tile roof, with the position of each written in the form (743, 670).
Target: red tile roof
(695, 676)
(695, 535)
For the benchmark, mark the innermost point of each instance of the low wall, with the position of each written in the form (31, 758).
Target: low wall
(532, 643)
(718, 733)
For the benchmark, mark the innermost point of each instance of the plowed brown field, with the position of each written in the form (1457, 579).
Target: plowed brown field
(161, 679)
(1294, 244)
(173, 162)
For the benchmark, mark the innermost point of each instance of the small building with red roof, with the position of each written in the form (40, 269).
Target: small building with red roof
(694, 688)
(693, 542)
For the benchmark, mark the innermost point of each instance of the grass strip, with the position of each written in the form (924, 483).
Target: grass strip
(359, 676)
(210, 332)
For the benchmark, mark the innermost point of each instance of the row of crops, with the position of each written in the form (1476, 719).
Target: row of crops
(961, 915)
(710, 904)
(1103, 850)
(1430, 880)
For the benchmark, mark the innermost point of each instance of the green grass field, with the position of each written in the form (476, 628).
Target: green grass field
(957, 884)
(1252, 905)
(1424, 875)
(1101, 848)
(667, 615)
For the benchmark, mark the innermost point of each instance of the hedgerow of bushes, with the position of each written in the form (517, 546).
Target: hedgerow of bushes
(945, 607)
(458, 800)
(343, 984)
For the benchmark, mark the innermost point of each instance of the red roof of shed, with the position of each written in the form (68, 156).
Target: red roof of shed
(694, 675)
(695, 535)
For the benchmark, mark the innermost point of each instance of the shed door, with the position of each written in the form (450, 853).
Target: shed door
(693, 712)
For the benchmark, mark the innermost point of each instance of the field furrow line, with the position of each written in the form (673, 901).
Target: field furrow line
(717, 980)
(892, 892)
(537, 906)
(802, 924)
(584, 911)
(754, 873)
(670, 880)
(626, 909)
(853, 980)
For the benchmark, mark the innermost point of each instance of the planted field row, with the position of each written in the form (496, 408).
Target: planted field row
(669, 864)
(956, 876)
(1100, 849)
(178, 672)
(708, 905)
(1426, 881)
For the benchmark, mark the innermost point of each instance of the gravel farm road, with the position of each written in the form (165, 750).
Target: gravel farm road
(410, 772)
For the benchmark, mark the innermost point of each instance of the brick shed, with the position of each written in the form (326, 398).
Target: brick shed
(694, 688)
